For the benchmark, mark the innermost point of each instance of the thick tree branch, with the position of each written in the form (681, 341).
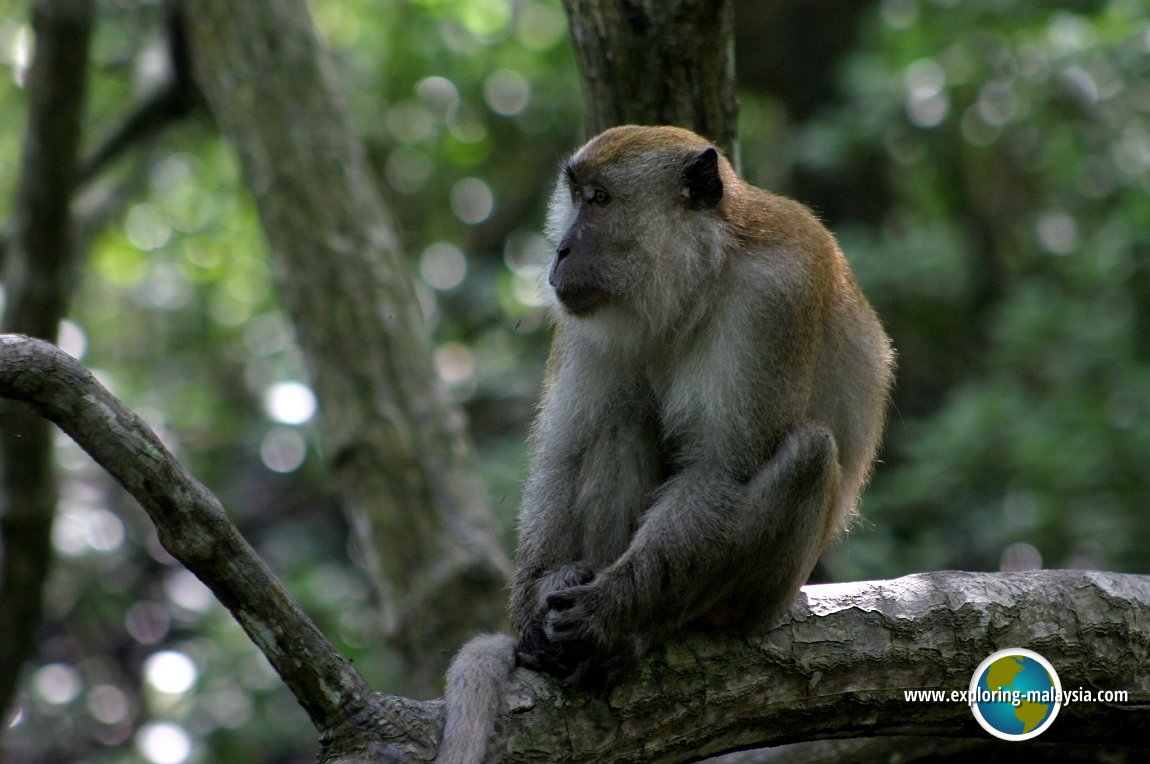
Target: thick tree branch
(839, 665)
(191, 524)
(936, 750)
(836, 667)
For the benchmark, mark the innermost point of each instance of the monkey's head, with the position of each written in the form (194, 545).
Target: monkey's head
(634, 220)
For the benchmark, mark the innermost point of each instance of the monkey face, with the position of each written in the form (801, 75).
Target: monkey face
(626, 218)
(592, 262)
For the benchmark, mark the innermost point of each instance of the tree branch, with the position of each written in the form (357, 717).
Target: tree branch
(836, 667)
(933, 750)
(177, 97)
(839, 665)
(191, 523)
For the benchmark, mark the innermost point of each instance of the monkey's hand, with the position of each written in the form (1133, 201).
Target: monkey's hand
(588, 654)
(535, 650)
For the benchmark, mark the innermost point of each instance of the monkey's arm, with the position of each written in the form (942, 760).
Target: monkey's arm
(596, 462)
(549, 534)
(708, 545)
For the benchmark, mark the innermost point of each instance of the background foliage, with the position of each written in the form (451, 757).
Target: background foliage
(985, 164)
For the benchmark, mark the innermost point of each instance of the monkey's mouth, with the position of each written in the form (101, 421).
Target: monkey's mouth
(581, 300)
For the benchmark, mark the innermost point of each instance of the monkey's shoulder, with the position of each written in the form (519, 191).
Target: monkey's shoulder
(760, 219)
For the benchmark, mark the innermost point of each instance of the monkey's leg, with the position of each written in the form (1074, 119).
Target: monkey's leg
(795, 510)
(706, 541)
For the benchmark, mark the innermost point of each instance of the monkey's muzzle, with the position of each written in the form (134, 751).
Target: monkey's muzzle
(580, 300)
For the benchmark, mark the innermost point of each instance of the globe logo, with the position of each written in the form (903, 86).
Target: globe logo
(1015, 694)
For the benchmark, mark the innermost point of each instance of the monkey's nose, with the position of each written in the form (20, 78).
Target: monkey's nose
(562, 252)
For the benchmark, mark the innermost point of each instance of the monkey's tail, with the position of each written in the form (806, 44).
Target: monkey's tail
(473, 695)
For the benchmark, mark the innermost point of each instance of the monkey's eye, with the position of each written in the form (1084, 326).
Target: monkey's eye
(593, 195)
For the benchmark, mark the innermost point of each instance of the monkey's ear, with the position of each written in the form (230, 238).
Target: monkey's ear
(702, 185)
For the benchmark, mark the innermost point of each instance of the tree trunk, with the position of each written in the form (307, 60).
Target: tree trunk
(39, 265)
(648, 62)
(399, 450)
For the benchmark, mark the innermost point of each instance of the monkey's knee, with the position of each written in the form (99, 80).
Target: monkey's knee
(806, 461)
(798, 492)
(796, 495)
(813, 442)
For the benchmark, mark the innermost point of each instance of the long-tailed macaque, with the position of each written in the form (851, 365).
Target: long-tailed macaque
(715, 397)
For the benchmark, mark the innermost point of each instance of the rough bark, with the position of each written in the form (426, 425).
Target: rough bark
(38, 270)
(928, 750)
(838, 665)
(652, 62)
(398, 448)
(835, 667)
